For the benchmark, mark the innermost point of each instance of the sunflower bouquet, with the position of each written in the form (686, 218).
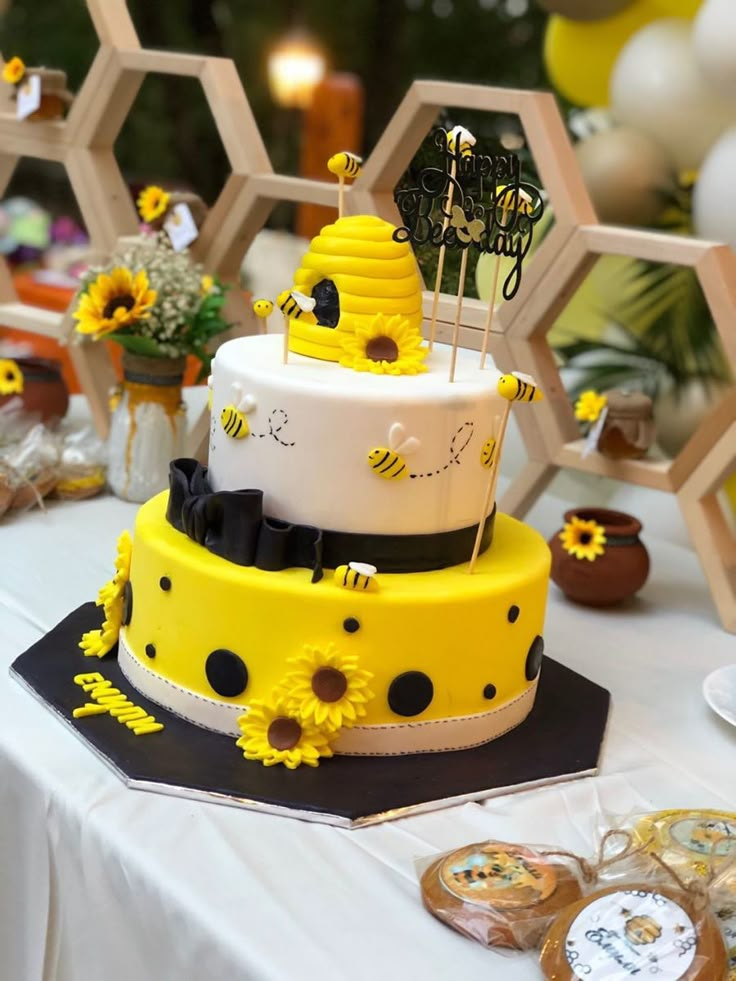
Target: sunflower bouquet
(153, 302)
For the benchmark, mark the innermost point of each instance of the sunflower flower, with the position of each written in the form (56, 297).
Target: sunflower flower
(114, 300)
(14, 71)
(583, 539)
(385, 347)
(11, 377)
(207, 284)
(97, 643)
(327, 688)
(589, 406)
(273, 734)
(152, 203)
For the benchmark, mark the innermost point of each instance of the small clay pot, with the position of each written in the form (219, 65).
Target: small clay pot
(44, 389)
(610, 578)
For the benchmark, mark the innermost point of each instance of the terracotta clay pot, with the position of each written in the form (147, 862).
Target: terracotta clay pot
(44, 389)
(610, 578)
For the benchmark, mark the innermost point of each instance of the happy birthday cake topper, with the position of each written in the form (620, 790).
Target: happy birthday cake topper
(473, 200)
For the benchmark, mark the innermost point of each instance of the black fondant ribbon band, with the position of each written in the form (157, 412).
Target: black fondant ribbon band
(231, 524)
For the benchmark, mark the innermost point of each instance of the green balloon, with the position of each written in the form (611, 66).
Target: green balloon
(584, 9)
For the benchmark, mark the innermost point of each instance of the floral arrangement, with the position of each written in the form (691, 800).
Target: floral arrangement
(14, 71)
(583, 539)
(590, 405)
(153, 301)
(388, 346)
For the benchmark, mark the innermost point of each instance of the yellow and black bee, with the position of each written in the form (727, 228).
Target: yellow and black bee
(519, 388)
(262, 308)
(463, 137)
(345, 164)
(297, 306)
(356, 575)
(388, 461)
(233, 417)
(466, 231)
(488, 453)
(641, 930)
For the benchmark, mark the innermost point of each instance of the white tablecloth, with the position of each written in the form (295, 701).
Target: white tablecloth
(100, 882)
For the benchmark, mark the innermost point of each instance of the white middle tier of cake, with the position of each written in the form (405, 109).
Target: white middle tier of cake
(313, 424)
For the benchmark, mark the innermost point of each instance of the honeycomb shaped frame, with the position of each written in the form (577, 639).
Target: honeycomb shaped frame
(83, 143)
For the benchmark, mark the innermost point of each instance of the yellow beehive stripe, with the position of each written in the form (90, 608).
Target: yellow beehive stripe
(403, 267)
(305, 279)
(405, 305)
(365, 228)
(379, 289)
(332, 245)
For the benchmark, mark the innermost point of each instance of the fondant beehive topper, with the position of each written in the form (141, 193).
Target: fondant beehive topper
(354, 270)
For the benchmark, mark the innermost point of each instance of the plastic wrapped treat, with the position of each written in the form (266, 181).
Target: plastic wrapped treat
(81, 471)
(500, 894)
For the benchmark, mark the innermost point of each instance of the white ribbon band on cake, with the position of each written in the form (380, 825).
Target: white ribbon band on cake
(394, 739)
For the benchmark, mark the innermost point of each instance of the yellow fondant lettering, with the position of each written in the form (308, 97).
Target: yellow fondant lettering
(89, 708)
(85, 679)
(107, 700)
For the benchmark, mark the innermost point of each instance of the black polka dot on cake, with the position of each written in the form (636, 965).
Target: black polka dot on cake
(410, 693)
(489, 691)
(350, 625)
(165, 583)
(534, 658)
(226, 673)
(150, 650)
(127, 604)
(513, 613)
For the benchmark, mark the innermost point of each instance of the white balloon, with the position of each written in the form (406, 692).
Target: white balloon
(714, 43)
(714, 196)
(656, 86)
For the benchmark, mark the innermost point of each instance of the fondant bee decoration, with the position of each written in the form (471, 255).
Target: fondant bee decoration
(345, 164)
(295, 305)
(466, 231)
(232, 417)
(459, 136)
(642, 930)
(516, 387)
(357, 575)
(388, 462)
(488, 453)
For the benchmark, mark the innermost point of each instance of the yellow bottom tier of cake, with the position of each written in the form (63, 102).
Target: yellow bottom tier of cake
(453, 659)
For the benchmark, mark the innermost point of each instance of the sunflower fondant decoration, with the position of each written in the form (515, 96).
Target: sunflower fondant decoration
(327, 688)
(273, 734)
(583, 539)
(387, 346)
(11, 377)
(153, 202)
(114, 300)
(589, 406)
(98, 643)
(14, 71)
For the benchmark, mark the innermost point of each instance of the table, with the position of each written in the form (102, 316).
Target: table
(97, 881)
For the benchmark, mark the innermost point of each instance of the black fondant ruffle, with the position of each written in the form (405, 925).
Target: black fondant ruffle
(232, 525)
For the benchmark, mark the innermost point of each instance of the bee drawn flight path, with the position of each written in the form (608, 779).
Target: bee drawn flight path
(388, 461)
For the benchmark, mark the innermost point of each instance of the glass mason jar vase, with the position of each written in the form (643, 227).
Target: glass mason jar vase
(148, 426)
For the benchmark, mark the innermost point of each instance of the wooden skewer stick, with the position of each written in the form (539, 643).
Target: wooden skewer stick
(340, 196)
(441, 257)
(492, 302)
(286, 338)
(491, 485)
(458, 312)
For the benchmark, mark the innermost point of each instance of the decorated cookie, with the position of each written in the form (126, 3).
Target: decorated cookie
(633, 930)
(693, 838)
(502, 895)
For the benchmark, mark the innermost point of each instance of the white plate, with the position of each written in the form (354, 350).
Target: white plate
(719, 689)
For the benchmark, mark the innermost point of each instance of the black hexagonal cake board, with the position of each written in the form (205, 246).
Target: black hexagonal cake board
(560, 740)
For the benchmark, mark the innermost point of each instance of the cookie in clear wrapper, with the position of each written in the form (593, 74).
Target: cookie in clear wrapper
(500, 894)
(636, 930)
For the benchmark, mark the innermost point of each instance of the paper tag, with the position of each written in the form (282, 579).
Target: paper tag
(28, 97)
(591, 440)
(631, 933)
(180, 227)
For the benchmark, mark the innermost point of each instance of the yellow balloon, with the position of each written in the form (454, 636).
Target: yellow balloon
(580, 55)
(678, 8)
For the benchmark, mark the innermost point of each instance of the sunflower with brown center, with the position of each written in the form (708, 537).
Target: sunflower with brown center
(584, 539)
(11, 377)
(327, 688)
(14, 71)
(97, 643)
(388, 346)
(273, 734)
(114, 300)
(153, 203)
